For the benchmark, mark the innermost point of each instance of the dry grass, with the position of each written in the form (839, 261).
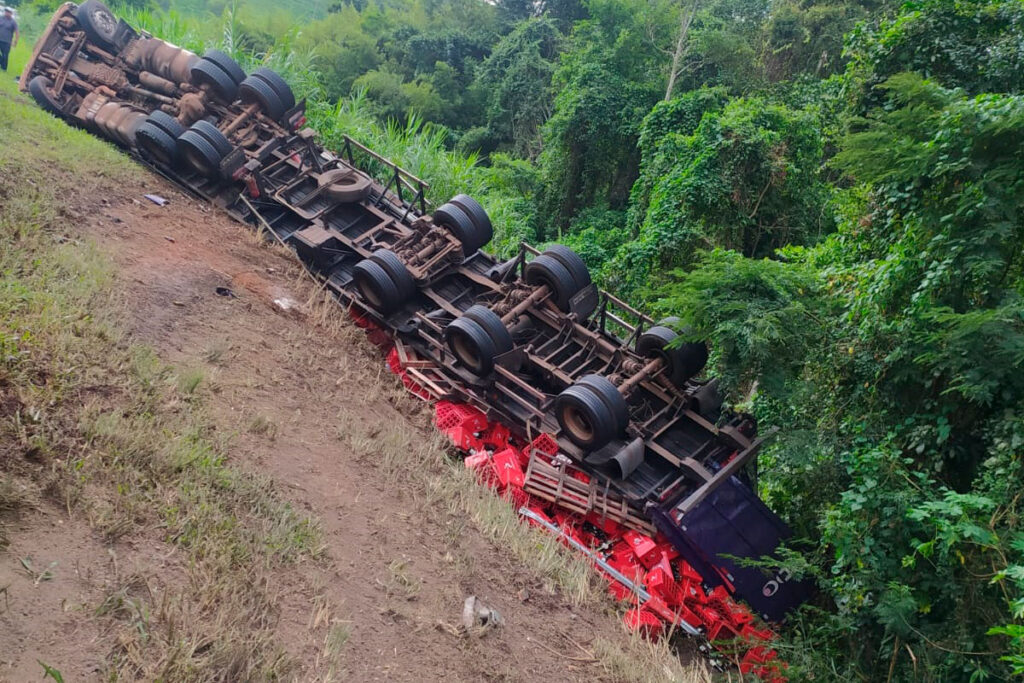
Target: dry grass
(116, 437)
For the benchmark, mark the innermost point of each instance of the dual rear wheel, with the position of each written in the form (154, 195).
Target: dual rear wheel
(467, 221)
(477, 338)
(202, 146)
(384, 281)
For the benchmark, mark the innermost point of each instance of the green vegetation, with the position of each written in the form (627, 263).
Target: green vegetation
(830, 193)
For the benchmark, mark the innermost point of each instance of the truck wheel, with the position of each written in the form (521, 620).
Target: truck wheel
(376, 286)
(489, 321)
(572, 262)
(484, 229)
(455, 220)
(585, 418)
(280, 86)
(98, 22)
(547, 270)
(41, 89)
(226, 64)
(166, 123)
(256, 90)
(471, 344)
(205, 72)
(345, 185)
(396, 270)
(682, 361)
(155, 144)
(213, 135)
(200, 154)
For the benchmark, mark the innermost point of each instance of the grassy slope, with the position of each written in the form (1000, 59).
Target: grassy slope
(99, 424)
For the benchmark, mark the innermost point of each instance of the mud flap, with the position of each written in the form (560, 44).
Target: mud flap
(617, 460)
(584, 302)
(231, 165)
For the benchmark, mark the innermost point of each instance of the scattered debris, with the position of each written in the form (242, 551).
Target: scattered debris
(224, 291)
(156, 199)
(477, 617)
(285, 304)
(170, 239)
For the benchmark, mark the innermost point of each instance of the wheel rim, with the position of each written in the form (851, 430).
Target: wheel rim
(104, 22)
(154, 150)
(576, 422)
(197, 161)
(343, 183)
(465, 351)
(368, 292)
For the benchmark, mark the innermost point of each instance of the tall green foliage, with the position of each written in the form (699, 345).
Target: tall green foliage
(910, 334)
(742, 175)
(606, 83)
(515, 81)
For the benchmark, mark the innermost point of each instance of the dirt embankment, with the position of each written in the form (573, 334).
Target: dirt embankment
(296, 398)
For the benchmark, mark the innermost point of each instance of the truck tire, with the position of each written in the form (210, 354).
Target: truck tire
(226, 64)
(682, 361)
(41, 89)
(256, 90)
(280, 86)
(200, 154)
(471, 344)
(166, 123)
(98, 22)
(155, 144)
(547, 270)
(585, 418)
(455, 219)
(396, 270)
(213, 135)
(344, 185)
(376, 286)
(476, 213)
(572, 262)
(489, 321)
(205, 72)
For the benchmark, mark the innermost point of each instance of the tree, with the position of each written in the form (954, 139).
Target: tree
(681, 47)
(516, 78)
(606, 82)
(744, 177)
(972, 44)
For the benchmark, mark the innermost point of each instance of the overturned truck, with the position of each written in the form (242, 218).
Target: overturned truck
(530, 341)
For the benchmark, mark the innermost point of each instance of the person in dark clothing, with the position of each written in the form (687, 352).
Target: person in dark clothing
(8, 36)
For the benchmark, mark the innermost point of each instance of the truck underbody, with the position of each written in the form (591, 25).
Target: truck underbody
(530, 341)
